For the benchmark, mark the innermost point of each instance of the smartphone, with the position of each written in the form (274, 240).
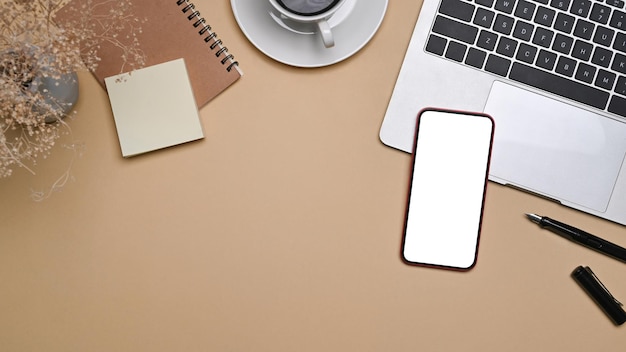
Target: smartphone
(448, 182)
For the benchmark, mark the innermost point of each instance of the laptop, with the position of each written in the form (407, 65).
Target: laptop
(551, 73)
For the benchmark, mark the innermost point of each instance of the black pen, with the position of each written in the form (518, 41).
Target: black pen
(580, 237)
(596, 289)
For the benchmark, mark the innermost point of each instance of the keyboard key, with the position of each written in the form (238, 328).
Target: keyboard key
(560, 86)
(620, 87)
(600, 13)
(525, 10)
(456, 51)
(523, 30)
(619, 63)
(506, 47)
(436, 45)
(562, 44)
(487, 40)
(615, 3)
(543, 37)
(585, 73)
(487, 3)
(505, 5)
(526, 53)
(458, 9)
(475, 58)
(544, 16)
(618, 106)
(564, 23)
(604, 36)
(602, 57)
(584, 29)
(562, 5)
(546, 59)
(620, 42)
(581, 8)
(455, 30)
(582, 50)
(498, 65)
(503, 24)
(618, 20)
(484, 18)
(605, 79)
(565, 66)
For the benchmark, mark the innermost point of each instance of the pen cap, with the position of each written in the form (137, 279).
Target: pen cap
(596, 290)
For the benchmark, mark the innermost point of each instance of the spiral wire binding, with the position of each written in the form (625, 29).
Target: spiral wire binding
(211, 37)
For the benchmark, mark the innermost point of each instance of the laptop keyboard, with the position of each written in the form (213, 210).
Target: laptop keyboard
(572, 48)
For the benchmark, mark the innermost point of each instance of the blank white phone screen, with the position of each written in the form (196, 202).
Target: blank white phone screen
(448, 183)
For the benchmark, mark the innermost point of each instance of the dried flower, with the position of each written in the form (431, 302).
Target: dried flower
(34, 48)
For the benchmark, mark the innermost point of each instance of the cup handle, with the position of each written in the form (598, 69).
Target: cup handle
(326, 33)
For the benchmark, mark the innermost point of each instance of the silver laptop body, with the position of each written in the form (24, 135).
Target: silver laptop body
(550, 145)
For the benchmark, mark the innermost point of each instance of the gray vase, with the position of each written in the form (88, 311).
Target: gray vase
(62, 92)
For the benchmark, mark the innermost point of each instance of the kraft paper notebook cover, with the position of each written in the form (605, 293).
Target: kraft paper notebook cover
(154, 108)
(171, 29)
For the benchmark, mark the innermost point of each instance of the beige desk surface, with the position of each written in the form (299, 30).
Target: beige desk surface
(280, 231)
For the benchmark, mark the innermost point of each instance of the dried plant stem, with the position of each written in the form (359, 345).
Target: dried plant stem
(34, 50)
(77, 149)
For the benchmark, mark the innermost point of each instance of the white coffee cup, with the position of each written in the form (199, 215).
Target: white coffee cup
(313, 12)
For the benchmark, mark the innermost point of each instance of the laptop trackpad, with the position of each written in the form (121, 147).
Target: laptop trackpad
(554, 148)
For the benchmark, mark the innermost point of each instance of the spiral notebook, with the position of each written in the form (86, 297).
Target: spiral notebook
(170, 29)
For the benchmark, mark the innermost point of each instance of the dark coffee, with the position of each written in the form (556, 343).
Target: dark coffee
(307, 7)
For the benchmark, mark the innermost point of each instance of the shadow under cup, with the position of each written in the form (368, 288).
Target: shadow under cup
(307, 7)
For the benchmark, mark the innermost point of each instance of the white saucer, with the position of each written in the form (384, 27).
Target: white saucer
(354, 24)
